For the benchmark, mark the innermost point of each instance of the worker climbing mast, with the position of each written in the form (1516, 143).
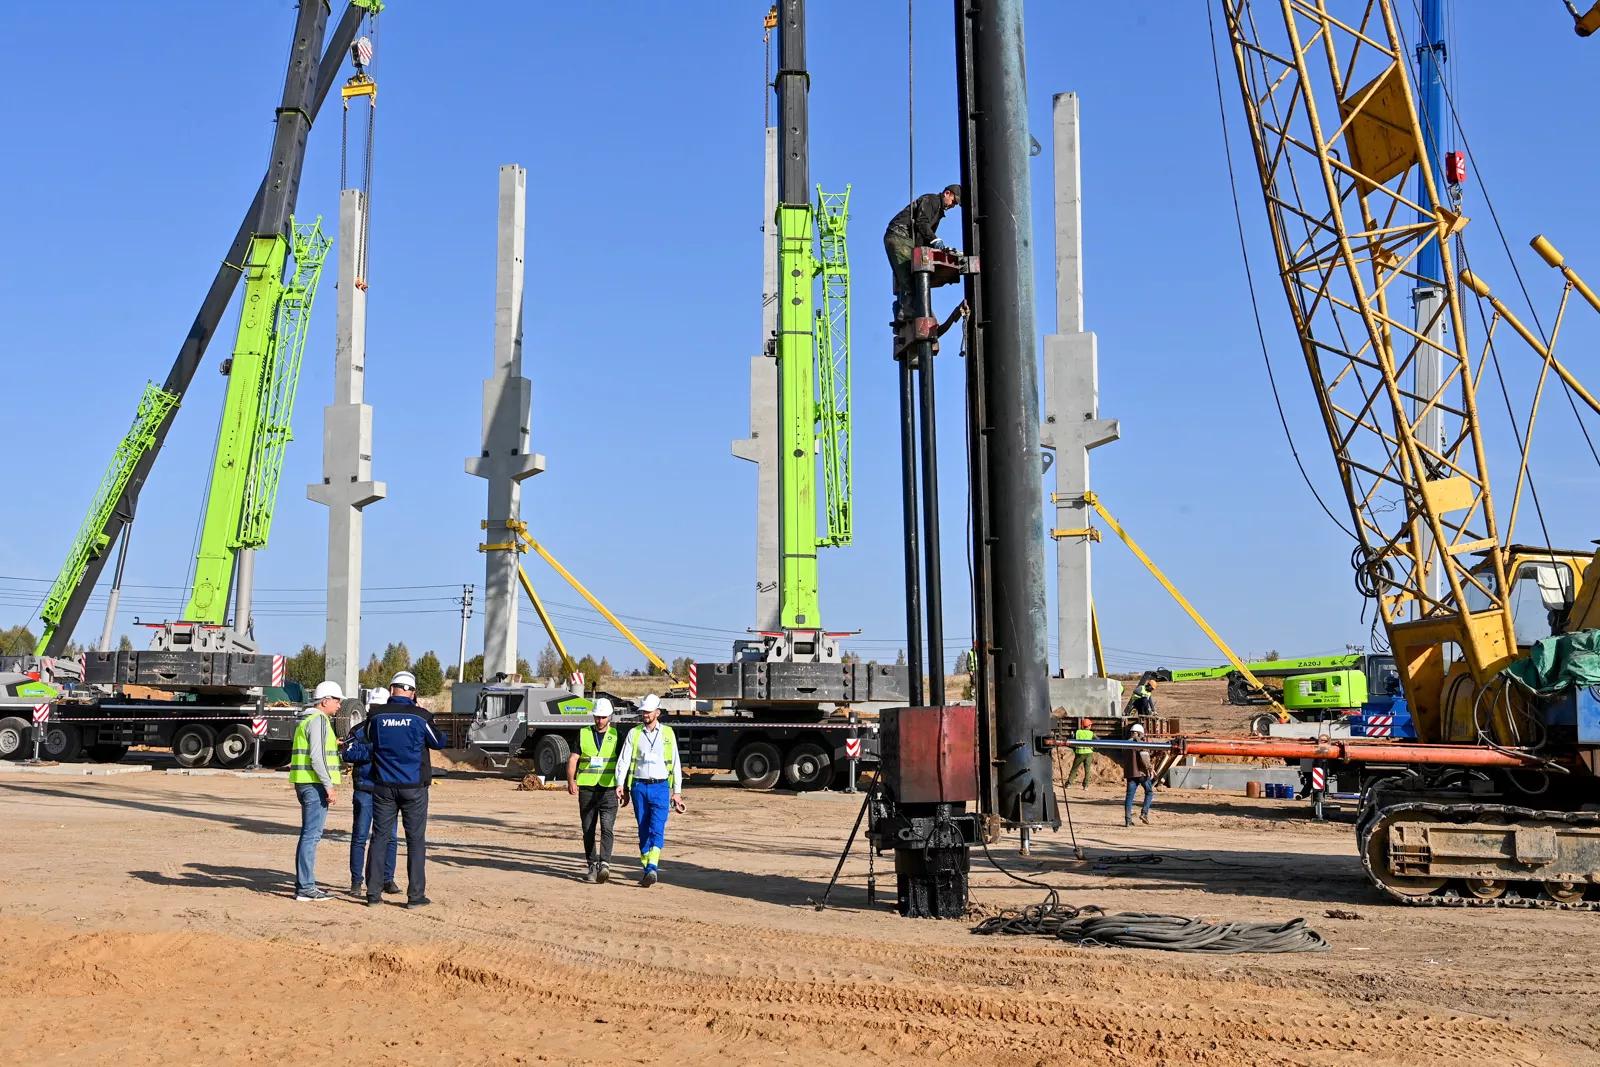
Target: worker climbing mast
(938, 760)
(799, 666)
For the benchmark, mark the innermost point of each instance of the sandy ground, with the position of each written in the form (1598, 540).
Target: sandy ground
(147, 919)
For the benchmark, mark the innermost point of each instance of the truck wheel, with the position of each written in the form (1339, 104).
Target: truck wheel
(13, 737)
(808, 767)
(1261, 725)
(275, 759)
(107, 752)
(234, 747)
(758, 765)
(62, 744)
(550, 757)
(194, 745)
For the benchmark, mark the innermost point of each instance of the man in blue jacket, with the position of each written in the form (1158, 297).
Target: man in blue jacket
(358, 754)
(400, 733)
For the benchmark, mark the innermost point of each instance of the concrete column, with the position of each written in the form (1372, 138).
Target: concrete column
(347, 486)
(505, 460)
(1072, 424)
(761, 447)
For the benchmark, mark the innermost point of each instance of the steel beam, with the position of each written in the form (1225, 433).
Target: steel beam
(505, 460)
(347, 486)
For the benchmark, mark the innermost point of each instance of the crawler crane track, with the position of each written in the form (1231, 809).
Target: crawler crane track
(1484, 856)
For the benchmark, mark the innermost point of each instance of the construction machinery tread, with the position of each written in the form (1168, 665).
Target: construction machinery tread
(1451, 896)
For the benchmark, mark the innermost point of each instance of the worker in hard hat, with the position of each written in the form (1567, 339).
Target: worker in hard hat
(592, 778)
(358, 754)
(1144, 697)
(400, 736)
(1139, 770)
(1081, 756)
(915, 225)
(314, 773)
(649, 769)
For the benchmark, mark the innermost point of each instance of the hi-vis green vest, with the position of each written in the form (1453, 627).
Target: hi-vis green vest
(300, 770)
(1083, 734)
(597, 765)
(669, 752)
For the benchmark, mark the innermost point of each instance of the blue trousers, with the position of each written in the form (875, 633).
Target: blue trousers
(360, 833)
(313, 817)
(1127, 801)
(652, 803)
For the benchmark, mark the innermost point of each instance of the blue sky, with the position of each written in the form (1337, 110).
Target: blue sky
(136, 139)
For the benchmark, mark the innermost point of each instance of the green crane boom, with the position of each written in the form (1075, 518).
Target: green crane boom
(833, 365)
(262, 378)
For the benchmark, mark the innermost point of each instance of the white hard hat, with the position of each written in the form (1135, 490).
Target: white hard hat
(602, 708)
(405, 678)
(1137, 728)
(325, 690)
(651, 702)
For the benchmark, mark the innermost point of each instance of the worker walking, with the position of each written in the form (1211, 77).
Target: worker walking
(358, 754)
(400, 736)
(914, 226)
(649, 770)
(1139, 770)
(1082, 757)
(314, 772)
(592, 778)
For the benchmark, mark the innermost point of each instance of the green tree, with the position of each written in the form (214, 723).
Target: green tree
(125, 644)
(396, 658)
(372, 675)
(308, 667)
(430, 676)
(606, 670)
(549, 665)
(472, 670)
(17, 641)
(680, 667)
(590, 671)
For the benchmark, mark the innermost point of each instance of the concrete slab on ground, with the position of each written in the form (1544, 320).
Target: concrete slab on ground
(1229, 777)
(219, 771)
(74, 770)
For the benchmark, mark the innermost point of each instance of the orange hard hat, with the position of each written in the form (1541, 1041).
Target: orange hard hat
(1085, 722)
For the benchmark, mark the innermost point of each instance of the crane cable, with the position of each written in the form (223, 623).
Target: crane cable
(1255, 303)
(361, 83)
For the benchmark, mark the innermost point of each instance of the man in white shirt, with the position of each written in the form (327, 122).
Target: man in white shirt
(649, 769)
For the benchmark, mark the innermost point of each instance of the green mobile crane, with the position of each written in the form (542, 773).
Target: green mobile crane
(209, 656)
(798, 667)
(1311, 688)
(262, 375)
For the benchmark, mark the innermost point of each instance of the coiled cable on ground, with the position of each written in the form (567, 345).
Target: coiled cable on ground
(1090, 926)
(1176, 933)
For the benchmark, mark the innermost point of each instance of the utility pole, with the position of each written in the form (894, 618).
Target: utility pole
(1428, 299)
(466, 615)
(505, 460)
(347, 486)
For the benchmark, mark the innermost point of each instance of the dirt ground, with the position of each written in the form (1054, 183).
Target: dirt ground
(147, 919)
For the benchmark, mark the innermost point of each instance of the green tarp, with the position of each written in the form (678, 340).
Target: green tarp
(1559, 663)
